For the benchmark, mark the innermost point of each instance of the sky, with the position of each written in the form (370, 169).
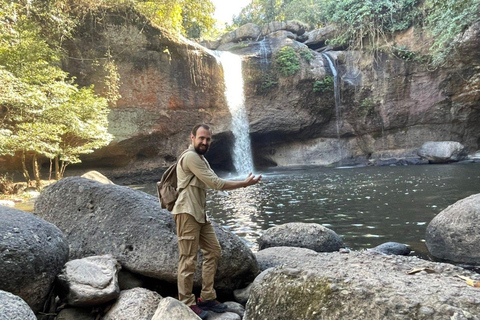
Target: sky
(225, 9)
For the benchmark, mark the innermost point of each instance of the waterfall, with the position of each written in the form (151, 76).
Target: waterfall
(336, 93)
(264, 53)
(232, 73)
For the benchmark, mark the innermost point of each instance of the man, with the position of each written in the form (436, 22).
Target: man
(193, 228)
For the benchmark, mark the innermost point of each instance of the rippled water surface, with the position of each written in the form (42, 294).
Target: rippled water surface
(366, 206)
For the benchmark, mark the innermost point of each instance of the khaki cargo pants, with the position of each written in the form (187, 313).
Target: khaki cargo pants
(191, 235)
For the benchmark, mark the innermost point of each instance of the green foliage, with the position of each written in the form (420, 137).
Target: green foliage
(326, 85)
(287, 61)
(42, 112)
(365, 107)
(192, 18)
(269, 81)
(360, 20)
(446, 19)
(306, 54)
(404, 53)
(264, 11)
(261, 11)
(307, 11)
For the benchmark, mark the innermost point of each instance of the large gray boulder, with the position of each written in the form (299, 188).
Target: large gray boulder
(442, 151)
(103, 219)
(90, 281)
(244, 32)
(362, 285)
(303, 235)
(137, 303)
(13, 307)
(320, 36)
(296, 27)
(453, 234)
(32, 253)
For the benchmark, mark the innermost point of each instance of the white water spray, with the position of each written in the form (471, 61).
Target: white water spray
(242, 151)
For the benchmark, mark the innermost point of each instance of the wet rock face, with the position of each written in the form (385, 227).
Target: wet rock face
(100, 219)
(453, 235)
(32, 253)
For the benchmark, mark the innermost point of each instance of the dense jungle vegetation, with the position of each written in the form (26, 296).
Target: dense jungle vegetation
(44, 113)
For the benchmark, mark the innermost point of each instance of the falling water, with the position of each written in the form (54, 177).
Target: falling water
(336, 93)
(264, 54)
(242, 152)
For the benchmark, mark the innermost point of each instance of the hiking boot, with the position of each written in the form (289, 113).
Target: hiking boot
(199, 312)
(212, 305)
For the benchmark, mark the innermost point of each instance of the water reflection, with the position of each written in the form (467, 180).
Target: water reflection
(366, 206)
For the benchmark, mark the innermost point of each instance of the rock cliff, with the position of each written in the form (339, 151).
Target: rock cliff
(389, 104)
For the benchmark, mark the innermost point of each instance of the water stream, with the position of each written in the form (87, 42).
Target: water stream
(242, 153)
(336, 92)
(265, 52)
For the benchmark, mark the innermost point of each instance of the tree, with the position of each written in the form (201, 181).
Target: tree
(192, 18)
(42, 112)
(197, 17)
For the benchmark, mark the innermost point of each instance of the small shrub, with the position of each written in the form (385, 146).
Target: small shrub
(403, 53)
(326, 85)
(365, 107)
(7, 186)
(287, 61)
(306, 54)
(268, 83)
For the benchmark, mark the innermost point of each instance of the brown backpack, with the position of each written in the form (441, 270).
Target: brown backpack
(167, 187)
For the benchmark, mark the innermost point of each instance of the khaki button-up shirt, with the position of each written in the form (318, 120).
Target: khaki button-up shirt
(194, 175)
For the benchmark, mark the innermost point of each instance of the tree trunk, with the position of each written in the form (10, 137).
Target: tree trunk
(36, 171)
(63, 167)
(50, 171)
(57, 169)
(25, 170)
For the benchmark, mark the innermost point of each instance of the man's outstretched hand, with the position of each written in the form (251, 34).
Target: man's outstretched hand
(251, 179)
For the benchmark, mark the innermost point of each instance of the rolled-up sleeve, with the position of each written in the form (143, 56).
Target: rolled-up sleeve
(202, 171)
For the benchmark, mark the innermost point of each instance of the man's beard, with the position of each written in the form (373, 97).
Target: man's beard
(201, 149)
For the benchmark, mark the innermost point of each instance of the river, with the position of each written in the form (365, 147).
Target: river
(365, 206)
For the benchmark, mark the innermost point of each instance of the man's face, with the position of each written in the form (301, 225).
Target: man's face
(201, 141)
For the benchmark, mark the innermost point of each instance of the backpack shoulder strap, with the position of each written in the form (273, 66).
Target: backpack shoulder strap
(180, 163)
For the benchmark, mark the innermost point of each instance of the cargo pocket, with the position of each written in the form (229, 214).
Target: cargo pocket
(186, 245)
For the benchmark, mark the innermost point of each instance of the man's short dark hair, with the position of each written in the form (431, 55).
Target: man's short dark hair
(201, 125)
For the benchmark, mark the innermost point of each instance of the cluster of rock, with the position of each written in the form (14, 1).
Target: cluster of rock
(294, 30)
(123, 256)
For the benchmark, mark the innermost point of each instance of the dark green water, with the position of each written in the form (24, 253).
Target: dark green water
(365, 206)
